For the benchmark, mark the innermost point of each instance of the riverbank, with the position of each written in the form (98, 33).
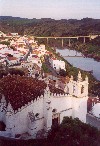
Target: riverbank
(77, 60)
(94, 85)
(88, 50)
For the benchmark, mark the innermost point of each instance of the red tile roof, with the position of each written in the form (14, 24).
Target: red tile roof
(12, 58)
(19, 90)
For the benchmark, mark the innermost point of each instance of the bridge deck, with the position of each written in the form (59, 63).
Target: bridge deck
(64, 37)
(73, 56)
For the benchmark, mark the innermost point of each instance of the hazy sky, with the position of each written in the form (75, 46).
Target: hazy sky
(57, 9)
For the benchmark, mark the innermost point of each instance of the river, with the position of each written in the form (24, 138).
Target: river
(86, 64)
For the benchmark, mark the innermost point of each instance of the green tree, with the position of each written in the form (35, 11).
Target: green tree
(72, 132)
(63, 73)
(5, 43)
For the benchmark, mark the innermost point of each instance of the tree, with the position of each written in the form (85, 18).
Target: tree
(5, 43)
(73, 132)
(16, 71)
(3, 73)
(63, 73)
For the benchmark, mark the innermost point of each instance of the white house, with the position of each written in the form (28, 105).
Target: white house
(41, 47)
(96, 110)
(35, 113)
(34, 59)
(14, 34)
(57, 64)
(12, 60)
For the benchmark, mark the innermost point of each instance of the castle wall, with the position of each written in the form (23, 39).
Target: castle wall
(66, 105)
(73, 104)
(36, 126)
(19, 121)
(63, 104)
(79, 108)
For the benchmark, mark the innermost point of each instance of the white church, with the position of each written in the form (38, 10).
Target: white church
(46, 110)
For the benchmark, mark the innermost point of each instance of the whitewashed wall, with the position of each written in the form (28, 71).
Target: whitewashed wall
(19, 121)
(80, 108)
(73, 104)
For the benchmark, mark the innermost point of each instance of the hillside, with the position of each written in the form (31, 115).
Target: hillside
(49, 27)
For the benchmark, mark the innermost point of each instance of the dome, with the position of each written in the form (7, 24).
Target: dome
(96, 110)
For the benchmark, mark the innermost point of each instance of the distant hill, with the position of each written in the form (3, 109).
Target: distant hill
(49, 27)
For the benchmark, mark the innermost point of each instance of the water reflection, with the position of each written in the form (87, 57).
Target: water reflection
(86, 64)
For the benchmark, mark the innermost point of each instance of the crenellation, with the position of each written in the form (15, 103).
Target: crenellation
(37, 114)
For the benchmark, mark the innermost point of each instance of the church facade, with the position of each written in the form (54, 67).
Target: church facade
(47, 110)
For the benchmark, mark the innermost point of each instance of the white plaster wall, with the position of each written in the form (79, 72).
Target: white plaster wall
(19, 121)
(66, 105)
(36, 126)
(56, 63)
(80, 108)
(62, 64)
(47, 111)
(10, 120)
(62, 104)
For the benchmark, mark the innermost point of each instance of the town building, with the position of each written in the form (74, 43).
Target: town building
(34, 105)
(57, 64)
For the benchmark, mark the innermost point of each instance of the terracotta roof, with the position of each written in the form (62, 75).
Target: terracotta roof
(22, 52)
(64, 79)
(11, 58)
(19, 90)
(6, 53)
(55, 90)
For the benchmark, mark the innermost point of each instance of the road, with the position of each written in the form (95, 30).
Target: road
(90, 119)
(26, 56)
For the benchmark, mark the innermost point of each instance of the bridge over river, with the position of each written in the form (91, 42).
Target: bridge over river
(73, 56)
(68, 37)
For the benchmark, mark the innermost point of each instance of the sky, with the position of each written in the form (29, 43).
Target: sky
(55, 9)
